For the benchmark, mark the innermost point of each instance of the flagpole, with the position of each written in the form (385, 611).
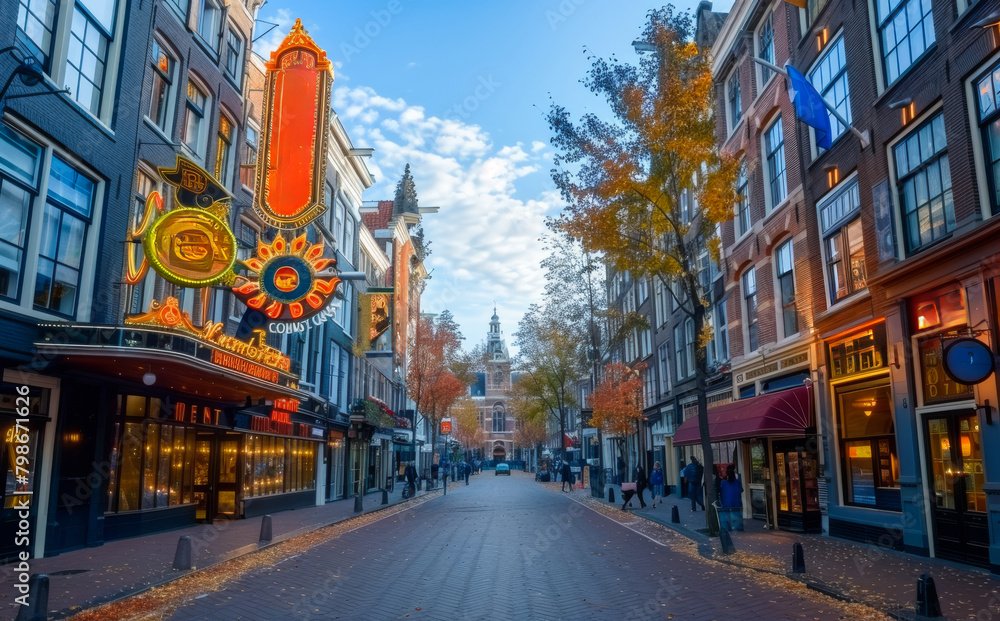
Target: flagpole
(863, 137)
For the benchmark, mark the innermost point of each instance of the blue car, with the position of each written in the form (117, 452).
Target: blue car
(502, 468)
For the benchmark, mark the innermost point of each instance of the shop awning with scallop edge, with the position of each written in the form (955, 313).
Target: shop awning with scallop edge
(784, 413)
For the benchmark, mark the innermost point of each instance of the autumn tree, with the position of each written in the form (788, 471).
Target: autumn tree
(530, 417)
(550, 362)
(617, 401)
(646, 185)
(431, 381)
(465, 426)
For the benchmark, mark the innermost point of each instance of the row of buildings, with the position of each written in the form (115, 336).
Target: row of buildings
(152, 404)
(846, 275)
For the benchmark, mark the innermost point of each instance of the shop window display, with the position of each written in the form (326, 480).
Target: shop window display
(868, 448)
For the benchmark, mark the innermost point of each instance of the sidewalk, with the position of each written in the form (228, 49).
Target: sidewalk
(882, 578)
(91, 576)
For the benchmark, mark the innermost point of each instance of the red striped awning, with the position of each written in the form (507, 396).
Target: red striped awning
(784, 413)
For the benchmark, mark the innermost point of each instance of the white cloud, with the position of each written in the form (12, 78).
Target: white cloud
(484, 240)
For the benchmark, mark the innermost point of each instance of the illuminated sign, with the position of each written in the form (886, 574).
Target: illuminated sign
(284, 281)
(291, 168)
(445, 426)
(282, 410)
(937, 385)
(133, 273)
(375, 316)
(190, 248)
(169, 315)
(193, 186)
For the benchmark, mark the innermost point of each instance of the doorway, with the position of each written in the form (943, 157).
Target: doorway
(216, 459)
(955, 473)
(19, 489)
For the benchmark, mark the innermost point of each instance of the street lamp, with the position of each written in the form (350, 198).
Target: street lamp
(358, 420)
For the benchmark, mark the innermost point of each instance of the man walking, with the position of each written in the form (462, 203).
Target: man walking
(694, 472)
(410, 474)
(567, 476)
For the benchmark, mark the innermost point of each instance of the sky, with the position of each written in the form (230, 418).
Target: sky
(459, 90)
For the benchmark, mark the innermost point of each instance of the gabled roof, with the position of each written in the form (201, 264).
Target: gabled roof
(378, 221)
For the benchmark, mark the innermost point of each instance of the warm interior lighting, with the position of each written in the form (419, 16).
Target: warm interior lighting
(966, 446)
(927, 316)
(909, 112)
(945, 444)
(822, 39)
(832, 175)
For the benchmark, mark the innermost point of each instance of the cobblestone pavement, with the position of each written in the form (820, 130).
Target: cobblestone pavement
(506, 547)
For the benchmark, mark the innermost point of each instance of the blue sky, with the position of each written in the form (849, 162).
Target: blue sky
(459, 90)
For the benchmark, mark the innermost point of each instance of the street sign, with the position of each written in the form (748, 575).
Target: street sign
(445, 426)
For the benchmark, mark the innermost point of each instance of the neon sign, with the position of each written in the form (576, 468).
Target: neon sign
(291, 169)
(190, 248)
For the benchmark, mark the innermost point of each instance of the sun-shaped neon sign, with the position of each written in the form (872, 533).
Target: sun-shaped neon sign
(286, 281)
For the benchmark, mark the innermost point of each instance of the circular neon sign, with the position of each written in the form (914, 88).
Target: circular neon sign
(190, 247)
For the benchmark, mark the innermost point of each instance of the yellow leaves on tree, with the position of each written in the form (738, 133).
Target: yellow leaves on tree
(465, 424)
(617, 400)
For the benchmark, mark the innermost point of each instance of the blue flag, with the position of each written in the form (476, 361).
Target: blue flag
(809, 106)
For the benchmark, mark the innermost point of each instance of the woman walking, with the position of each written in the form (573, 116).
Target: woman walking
(656, 480)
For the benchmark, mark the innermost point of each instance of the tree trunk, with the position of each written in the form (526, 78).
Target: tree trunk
(700, 374)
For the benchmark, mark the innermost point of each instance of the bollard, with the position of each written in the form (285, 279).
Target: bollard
(446, 486)
(467, 479)
(611, 495)
(182, 557)
(359, 505)
(727, 541)
(385, 496)
(265, 530)
(38, 600)
(927, 599)
(675, 515)
(798, 559)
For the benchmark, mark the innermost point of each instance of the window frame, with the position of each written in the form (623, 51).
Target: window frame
(224, 148)
(829, 89)
(771, 158)
(764, 75)
(734, 103)
(784, 272)
(880, 25)
(218, 21)
(751, 320)
(899, 181)
(990, 166)
(838, 224)
(741, 228)
(25, 40)
(170, 79)
(233, 33)
(200, 150)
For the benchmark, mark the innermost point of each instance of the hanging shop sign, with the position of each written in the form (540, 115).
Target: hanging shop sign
(291, 168)
(191, 245)
(375, 316)
(254, 357)
(968, 361)
(858, 352)
(284, 281)
(938, 386)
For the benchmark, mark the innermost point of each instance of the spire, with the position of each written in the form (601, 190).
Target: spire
(405, 200)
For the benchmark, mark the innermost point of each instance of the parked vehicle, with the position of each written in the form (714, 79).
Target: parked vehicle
(502, 468)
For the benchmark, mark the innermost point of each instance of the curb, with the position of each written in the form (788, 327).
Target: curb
(235, 554)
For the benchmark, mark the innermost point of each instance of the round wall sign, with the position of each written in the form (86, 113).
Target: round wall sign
(968, 361)
(190, 247)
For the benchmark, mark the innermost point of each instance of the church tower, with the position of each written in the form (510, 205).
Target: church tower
(498, 422)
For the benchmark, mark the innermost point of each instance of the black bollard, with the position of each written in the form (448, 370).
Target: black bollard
(675, 515)
(466, 480)
(446, 486)
(265, 530)
(798, 559)
(38, 599)
(385, 496)
(927, 599)
(359, 505)
(726, 541)
(611, 495)
(182, 557)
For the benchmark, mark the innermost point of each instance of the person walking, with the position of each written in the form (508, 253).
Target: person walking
(467, 470)
(656, 481)
(410, 474)
(732, 499)
(641, 483)
(694, 472)
(567, 476)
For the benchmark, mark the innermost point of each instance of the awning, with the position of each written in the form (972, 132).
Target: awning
(783, 413)
(569, 441)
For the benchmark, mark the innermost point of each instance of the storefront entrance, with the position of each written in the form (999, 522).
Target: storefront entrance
(955, 471)
(796, 487)
(19, 488)
(216, 457)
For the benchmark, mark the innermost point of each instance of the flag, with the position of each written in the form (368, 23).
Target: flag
(809, 106)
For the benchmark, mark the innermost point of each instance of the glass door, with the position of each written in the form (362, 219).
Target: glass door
(228, 454)
(955, 464)
(204, 497)
(19, 483)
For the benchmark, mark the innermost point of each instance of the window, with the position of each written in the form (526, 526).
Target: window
(923, 181)
(685, 209)
(643, 290)
(248, 169)
(813, 8)
(181, 5)
(735, 105)
(829, 76)
(348, 248)
(840, 221)
(988, 89)
(19, 164)
(194, 119)
(721, 331)
(499, 416)
(646, 343)
(774, 146)
(64, 230)
(35, 22)
(223, 151)
(765, 48)
(663, 353)
(234, 56)
(161, 96)
(906, 30)
(786, 286)
(680, 362)
(750, 307)
(689, 345)
(743, 222)
(210, 23)
(868, 448)
(90, 35)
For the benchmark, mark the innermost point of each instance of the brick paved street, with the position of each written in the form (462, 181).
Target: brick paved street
(503, 547)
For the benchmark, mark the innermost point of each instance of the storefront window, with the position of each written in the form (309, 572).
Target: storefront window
(868, 448)
(758, 461)
(277, 465)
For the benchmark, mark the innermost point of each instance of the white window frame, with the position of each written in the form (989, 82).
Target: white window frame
(747, 324)
(830, 96)
(779, 305)
(769, 199)
(733, 123)
(759, 70)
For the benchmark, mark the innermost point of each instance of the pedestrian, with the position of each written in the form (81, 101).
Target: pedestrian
(467, 469)
(410, 474)
(694, 472)
(640, 484)
(684, 481)
(656, 480)
(567, 476)
(732, 499)
(434, 474)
